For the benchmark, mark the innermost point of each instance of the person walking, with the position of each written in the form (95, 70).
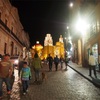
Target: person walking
(56, 61)
(36, 64)
(5, 74)
(50, 61)
(66, 62)
(61, 61)
(92, 65)
(25, 77)
(20, 64)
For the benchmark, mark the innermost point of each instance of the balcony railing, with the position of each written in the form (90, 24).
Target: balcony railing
(10, 32)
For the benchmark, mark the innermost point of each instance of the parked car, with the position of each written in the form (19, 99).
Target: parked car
(14, 60)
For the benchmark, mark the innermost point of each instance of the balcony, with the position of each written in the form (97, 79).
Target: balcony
(10, 32)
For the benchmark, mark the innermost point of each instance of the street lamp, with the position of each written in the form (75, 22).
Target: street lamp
(71, 4)
(67, 27)
(82, 25)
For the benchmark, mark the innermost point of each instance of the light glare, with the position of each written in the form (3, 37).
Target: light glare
(71, 4)
(82, 25)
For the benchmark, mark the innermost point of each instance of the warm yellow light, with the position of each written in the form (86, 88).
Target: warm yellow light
(37, 42)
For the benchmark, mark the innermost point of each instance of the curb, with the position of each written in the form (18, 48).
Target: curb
(93, 82)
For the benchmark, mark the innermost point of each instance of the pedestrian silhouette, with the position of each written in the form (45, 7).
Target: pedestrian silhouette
(92, 65)
(50, 61)
(25, 77)
(37, 65)
(5, 74)
(56, 61)
(61, 61)
(66, 61)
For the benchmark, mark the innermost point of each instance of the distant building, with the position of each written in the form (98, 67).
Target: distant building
(48, 40)
(37, 48)
(49, 48)
(53, 50)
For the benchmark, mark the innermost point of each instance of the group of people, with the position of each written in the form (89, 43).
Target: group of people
(92, 61)
(7, 74)
(56, 61)
(24, 71)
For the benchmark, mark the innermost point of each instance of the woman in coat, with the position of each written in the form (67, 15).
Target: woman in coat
(37, 66)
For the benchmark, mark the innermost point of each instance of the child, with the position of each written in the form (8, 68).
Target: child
(25, 77)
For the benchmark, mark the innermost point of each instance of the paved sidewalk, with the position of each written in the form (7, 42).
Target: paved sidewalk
(58, 86)
(85, 73)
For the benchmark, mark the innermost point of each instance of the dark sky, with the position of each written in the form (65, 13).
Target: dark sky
(40, 17)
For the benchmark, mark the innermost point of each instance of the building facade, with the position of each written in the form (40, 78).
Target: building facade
(86, 41)
(49, 48)
(53, 50)
(13, 39)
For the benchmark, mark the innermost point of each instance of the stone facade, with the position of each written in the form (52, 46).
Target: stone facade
(13, 38)
(89, 41)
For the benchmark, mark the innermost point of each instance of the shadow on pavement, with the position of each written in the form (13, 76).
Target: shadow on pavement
(96, 81)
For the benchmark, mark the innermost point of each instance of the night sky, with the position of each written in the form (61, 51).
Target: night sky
(40, 17)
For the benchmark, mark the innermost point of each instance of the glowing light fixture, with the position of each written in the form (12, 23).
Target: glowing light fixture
(82, 25)
(71, 4)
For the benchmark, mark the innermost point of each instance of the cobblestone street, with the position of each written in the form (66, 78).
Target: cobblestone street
(60, 85)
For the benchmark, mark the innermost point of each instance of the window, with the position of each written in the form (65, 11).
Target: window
(12, 47)
(0, 15)
(6, 22)
(12, 29)
(98, 26)
(15, 50)
(5, 48)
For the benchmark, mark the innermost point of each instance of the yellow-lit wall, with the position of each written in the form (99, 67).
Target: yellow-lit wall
(48, 50)
(59, 49)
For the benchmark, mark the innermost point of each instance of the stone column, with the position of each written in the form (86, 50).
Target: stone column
(79, 51)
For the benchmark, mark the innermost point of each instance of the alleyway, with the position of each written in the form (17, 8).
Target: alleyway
(60, 85)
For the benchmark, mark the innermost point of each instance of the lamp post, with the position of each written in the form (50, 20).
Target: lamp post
(71, 4)
(81, 27)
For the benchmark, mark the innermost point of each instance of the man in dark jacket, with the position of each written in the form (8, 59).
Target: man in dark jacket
(56, 61)
(50, 60)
